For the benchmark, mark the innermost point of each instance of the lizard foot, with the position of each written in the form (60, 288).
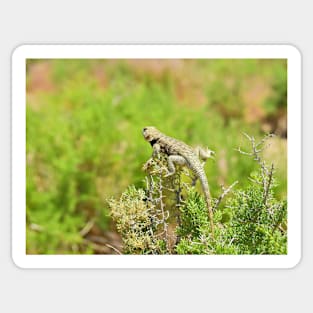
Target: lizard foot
(169, 174)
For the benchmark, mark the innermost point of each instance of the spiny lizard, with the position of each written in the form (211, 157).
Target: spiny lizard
(180, 153)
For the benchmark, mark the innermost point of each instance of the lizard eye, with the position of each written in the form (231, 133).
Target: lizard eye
(144, 129)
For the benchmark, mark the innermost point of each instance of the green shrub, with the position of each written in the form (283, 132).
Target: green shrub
(252, 222)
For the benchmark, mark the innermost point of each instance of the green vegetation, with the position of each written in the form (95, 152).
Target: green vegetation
(253, 221)
(84, 141)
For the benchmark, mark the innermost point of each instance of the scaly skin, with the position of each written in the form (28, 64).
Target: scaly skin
(182, 154)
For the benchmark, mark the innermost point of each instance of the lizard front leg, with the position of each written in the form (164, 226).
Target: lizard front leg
(172, 159)
(156, 151)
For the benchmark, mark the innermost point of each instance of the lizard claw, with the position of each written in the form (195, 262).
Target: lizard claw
(168, 174)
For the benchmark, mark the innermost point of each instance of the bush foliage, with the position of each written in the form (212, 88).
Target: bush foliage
(253, 221)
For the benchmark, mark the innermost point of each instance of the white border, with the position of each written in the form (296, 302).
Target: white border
(24, 52)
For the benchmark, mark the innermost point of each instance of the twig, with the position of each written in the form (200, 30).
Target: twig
(87, 228)
(225, 192)
(281, 229)
(267, 187)
(113, 248)
(257, 148)
(96, 246)
(163, 213)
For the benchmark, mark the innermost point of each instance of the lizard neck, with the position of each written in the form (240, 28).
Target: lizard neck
(153, 142)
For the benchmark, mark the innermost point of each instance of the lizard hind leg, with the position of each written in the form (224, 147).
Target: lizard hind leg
(171, 161)
(204, 154)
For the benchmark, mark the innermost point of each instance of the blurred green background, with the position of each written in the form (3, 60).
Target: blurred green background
(84, 141)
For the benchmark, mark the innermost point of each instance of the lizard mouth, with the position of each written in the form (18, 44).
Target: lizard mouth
(145, 135)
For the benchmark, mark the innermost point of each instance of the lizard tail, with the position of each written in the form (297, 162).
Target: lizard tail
(207, 194)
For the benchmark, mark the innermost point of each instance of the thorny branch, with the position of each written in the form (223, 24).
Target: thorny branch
(223, 194)
(268, 185)
(266, 173)
(162, 207)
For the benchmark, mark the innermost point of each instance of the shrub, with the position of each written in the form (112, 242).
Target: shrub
(253, 221)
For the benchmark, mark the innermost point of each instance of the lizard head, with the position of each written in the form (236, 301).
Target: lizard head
(150, 133)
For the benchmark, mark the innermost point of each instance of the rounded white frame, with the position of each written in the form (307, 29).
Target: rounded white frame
(159, 51)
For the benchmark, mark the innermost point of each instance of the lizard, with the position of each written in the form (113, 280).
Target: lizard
(182, 154)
